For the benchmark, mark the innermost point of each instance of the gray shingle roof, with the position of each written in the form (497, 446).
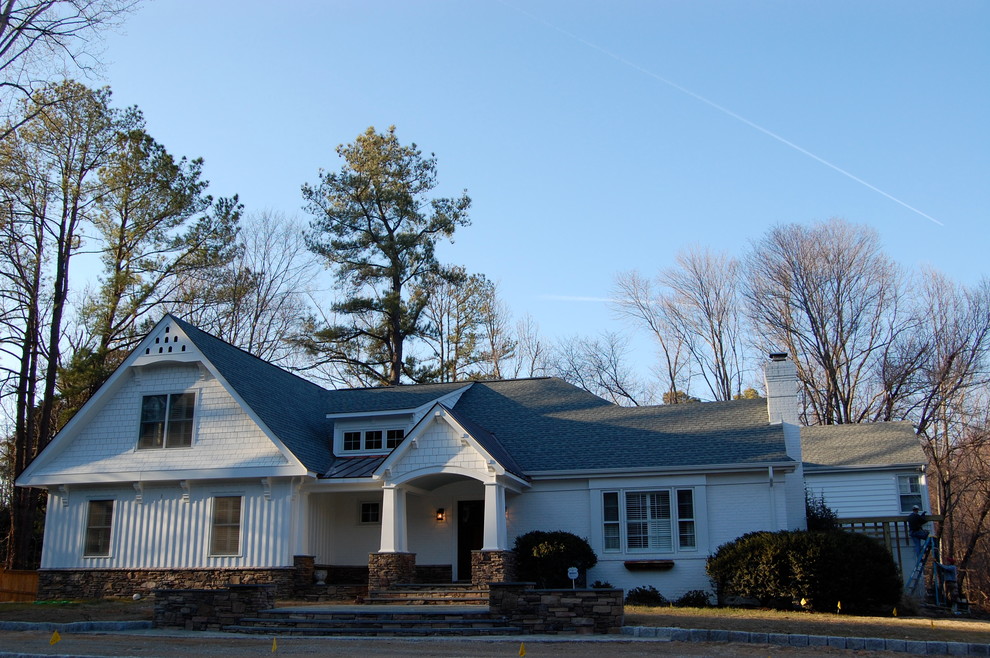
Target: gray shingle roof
(291, 407)
(365, 400)
(528, 425)
(551, 425)
(861, 444)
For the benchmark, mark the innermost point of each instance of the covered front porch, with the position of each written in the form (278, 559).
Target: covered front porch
(434, 511)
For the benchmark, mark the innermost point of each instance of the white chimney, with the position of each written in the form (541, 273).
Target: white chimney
(782, 409)
(782, 386)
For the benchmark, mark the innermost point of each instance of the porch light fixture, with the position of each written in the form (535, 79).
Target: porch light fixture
(441, 515)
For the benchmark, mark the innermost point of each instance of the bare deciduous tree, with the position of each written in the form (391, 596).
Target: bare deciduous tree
(639, 301)
(532, 355)
(703, 309)
(499, 346)
(600, 366)
(42, 39)
(260, 298)
(829, 296)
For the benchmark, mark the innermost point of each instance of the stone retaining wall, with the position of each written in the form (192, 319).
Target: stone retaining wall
(57, 584)
(210, 609)
(552, 611)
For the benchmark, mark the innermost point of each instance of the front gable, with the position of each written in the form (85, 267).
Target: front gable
(441, 444)
(101, 443)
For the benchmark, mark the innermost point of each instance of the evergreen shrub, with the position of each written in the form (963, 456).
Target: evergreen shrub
(823, 568)
(647, 595)
(544, 557)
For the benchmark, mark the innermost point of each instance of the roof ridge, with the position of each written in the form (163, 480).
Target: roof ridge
(186, 326)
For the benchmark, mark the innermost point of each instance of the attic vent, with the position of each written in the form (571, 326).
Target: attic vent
(166, 343)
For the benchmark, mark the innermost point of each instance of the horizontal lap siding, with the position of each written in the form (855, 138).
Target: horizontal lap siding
(857, 494)
(165, 532)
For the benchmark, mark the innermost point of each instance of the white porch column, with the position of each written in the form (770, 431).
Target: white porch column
(393, 520)
(300, 525)
(495, 531)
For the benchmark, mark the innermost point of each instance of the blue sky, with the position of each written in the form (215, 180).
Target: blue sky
(594, 137)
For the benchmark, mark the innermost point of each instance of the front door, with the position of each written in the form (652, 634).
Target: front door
(470, 534)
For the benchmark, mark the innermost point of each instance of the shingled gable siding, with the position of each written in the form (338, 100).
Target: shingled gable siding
(165, 532)
(224, 435)
(439, 445)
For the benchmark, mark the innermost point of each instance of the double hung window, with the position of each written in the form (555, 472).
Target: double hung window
(167, 420)
(660, 521)
(909, 492)
(99, 523)
(226, 526)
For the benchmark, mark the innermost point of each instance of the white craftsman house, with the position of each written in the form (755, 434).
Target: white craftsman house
(197, 464)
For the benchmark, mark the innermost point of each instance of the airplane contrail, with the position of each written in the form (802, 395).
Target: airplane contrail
(724, 110)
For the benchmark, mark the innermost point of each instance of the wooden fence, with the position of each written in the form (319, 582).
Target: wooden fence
(18, 585)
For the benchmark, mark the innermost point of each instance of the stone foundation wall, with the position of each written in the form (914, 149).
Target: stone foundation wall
(387, 569)
(552, 611)
(210, 609)
(492, 567)
(57, 584)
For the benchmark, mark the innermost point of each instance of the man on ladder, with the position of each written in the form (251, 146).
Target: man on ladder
(916, 529)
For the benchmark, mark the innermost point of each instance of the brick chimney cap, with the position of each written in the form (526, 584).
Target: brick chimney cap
(778, 356)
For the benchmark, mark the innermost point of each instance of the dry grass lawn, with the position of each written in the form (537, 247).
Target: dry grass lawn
(63, 612)
(945, 629)
(955, 629)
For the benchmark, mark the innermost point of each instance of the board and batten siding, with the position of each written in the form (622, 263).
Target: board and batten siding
(224, 435)
(165, 531)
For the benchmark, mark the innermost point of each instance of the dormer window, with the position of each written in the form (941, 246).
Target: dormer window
(373, 440)
(393, 438)
(166, 421)
(377, 440)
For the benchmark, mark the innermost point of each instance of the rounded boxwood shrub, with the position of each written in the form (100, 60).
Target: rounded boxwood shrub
(544, 557)
(695, 598)
(646, 595)
(823, 568)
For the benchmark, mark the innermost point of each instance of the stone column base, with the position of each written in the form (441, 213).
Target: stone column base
(387, 569)
(492, 567)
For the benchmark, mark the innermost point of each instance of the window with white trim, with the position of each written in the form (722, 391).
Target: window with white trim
(656, 521)
(909, 492)
(225, 538)
(167, 421)
(370, 513)
(99, 525)
(377, 440)
(393, 438)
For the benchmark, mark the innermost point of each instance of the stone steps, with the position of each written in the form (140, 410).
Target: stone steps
(429, 594)
(395, 621)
